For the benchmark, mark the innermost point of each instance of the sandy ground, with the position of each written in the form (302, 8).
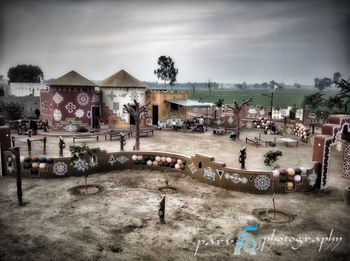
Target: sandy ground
(121, 222)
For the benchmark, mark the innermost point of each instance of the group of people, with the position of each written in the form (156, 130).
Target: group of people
(33, 127)
(195, 124)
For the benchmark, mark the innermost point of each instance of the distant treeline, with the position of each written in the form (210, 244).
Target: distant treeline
(219, 86)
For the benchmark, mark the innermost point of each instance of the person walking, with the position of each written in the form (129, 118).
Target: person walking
(201, 123)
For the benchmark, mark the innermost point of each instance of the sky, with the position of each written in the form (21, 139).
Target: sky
(224, 41)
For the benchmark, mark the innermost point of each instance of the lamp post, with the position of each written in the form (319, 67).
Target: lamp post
(271, 96)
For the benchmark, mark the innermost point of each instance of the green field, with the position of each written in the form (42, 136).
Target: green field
(284, 97)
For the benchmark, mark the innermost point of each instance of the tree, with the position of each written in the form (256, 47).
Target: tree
(12, 110)
(219, 104)
(322, 84)
(138, 114)
(344, 93)
(297, 85)
(334, 102)
(78, 152)
(25, 73)
(209, 85)
(313, 100)
(336, 77)
(166, 71)
(237, 108)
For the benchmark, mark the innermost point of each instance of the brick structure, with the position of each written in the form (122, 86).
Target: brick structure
(338, 124)
(160, 109)
(70, 102)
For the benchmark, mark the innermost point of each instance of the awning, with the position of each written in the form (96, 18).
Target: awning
(190, 103)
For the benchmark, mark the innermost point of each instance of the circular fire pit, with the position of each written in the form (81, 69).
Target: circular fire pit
(271, 216)
(167, 189)
(86, 189)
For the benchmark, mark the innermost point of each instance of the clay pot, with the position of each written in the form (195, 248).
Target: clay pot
(347, 195)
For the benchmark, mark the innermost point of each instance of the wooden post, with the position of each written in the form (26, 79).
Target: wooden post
(122, 141)
(15, 151)
(161, 212)
(29, 143)
(61, 146)
(44, 141)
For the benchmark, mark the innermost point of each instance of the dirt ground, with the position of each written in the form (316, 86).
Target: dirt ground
(219, 146)
(202, 222)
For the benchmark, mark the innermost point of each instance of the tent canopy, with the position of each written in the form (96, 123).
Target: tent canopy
(190, 103)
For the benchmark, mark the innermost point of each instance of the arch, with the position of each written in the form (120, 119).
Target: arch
(338, 124)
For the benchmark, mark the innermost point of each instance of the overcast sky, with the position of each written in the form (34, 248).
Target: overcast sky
(224, 41)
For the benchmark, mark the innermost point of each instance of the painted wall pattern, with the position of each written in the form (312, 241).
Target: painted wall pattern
(200, 167)
(62, 103)
(113, 99)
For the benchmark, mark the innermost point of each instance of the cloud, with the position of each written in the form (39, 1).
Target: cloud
(230, 40)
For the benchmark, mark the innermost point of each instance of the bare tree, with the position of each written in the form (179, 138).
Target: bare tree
(236, 109)
(138, 114)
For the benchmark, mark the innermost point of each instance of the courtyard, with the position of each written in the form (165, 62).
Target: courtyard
(202, 222)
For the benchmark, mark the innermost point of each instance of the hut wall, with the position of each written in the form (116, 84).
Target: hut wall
(68, 107)
(113, 100)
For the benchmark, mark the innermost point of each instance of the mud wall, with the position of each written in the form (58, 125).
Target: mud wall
(200, 167)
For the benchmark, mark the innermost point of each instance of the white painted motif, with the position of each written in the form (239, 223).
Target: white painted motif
(192, 168)
(262, 182)
(312, 178)
(57, 98)
(220, 173)
(230, 120)
(81, 165)
(70, 128)
(209, 174)
(70, 107)
(112, 160)
(60, 168)
(122, 159)
(57, 115)
(83, 98)
(79, 113)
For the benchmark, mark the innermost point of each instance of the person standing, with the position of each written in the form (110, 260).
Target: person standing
(201, 123)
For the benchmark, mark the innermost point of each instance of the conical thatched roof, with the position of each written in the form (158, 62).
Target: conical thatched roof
(122, 79)
(72, 79)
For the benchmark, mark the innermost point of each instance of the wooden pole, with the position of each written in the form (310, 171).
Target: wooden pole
(29, 143)
(44, 140)
(161, 212)
(15, 151)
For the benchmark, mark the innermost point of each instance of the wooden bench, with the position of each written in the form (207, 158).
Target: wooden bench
(256, 140)
(84, 137)
(229, 129)
(117, 134)
(144, 132)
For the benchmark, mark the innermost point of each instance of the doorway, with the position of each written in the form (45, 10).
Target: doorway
(96, 115)
(132, 120)
(155, 115)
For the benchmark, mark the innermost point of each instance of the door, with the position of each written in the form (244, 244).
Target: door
(95, 117)
(132, 120)
(155, 115)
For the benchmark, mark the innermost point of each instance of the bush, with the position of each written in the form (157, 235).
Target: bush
(11, 110)
(271, 157)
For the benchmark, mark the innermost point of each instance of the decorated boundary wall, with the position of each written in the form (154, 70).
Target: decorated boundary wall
(200, 167)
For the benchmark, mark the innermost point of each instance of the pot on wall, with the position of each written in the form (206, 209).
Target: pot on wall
(347, 195)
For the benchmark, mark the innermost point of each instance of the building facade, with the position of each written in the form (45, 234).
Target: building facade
(70, 102)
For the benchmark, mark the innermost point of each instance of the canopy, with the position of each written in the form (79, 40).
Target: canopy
(190, 103)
